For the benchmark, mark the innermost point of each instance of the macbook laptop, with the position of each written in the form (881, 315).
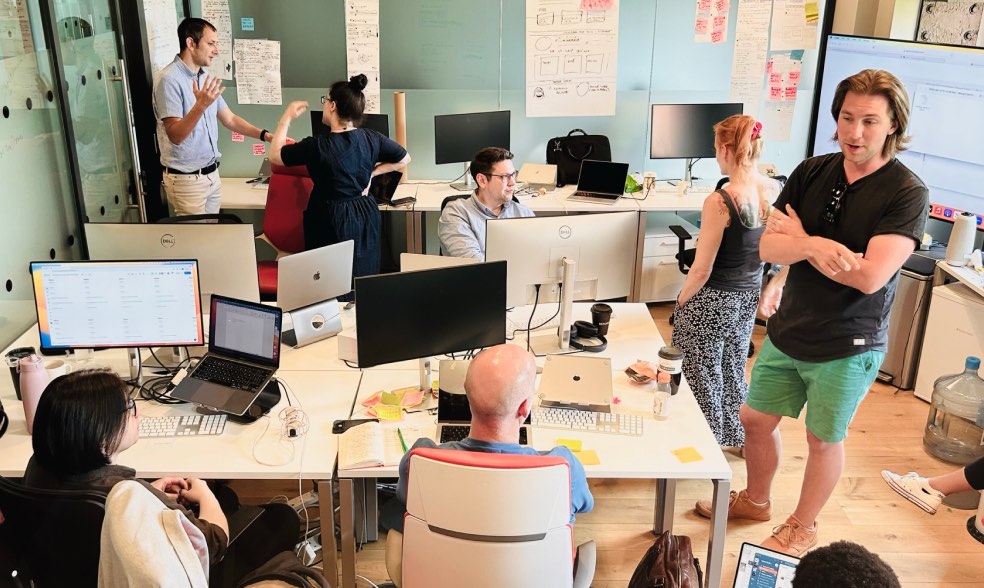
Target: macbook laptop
(601, 182)
(383, 189)
(453, 411)
(580, 383)
(263, 174)
(243, 354)
(314, 276)
(759, 567)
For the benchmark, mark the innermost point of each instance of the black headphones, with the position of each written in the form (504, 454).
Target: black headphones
(581, 331)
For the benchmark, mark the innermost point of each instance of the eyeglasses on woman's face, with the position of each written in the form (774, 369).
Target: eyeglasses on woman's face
(131, 404)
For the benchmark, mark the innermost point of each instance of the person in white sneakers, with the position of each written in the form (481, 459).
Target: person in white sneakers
(928, 493)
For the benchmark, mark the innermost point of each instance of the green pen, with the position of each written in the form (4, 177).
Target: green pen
(403, 442)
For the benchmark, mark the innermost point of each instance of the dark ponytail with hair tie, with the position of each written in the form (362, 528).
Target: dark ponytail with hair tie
(359, 82)
(350, 102)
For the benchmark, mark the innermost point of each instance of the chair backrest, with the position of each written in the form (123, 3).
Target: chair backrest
(53, 534)
(222, 218)
(146, 543)
(480, 519)
(287, 197)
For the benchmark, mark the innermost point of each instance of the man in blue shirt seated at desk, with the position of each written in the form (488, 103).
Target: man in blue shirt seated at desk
(500, 387)
(462, 224)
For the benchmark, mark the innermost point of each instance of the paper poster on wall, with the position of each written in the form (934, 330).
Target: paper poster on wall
(794, 25)
(15, 29)
(711, 21)
(362, 46)
(751, 49)
(161, 20)
(782, 88)
(257, 71)
(571, 57)
(217, 13)
(957, 22)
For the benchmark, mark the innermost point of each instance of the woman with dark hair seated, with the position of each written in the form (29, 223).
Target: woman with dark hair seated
(85, 419)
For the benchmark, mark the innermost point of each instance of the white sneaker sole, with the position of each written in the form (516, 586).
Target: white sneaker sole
(906, 494)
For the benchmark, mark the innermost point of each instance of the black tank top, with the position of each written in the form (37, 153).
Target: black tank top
(737, 266)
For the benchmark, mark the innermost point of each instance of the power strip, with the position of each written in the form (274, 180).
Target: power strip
(309, 551)
(307, 500)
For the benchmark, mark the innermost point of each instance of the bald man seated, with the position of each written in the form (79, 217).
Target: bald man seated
(500, 384)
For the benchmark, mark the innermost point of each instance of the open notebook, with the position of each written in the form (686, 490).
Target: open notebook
(374, 444)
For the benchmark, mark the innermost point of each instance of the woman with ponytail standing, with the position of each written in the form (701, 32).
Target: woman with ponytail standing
(715, 311)
(341, 165)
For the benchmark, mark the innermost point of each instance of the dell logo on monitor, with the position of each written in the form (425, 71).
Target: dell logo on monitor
(167, 240)
(565, 232)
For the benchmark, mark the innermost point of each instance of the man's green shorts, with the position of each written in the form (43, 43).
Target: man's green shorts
(833, 389)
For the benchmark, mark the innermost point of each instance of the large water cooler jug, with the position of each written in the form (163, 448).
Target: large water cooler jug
(955, 427)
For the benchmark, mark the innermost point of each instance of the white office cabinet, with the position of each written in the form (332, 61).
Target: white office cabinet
(954, 330)
(661, 277)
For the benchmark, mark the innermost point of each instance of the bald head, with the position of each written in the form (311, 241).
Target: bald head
(499, 379)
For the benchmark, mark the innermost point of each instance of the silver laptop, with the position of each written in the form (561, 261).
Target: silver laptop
(601, 182)
(575, 382)
(759, 567)
(243, 354)
(314, 276)
(453, 410)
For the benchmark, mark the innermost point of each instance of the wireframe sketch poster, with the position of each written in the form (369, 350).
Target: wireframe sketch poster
(217, 13)
(362, 46)
(571, 57)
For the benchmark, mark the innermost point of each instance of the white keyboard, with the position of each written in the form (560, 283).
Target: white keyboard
(182, 426)
(583, 420)
(663, 187)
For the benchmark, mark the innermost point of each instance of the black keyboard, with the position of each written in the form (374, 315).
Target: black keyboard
(459, 432)
(231, 373)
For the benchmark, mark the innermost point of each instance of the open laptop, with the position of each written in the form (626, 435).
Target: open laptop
(759, 567)
(243, 354)
(383, 189)
(315, 275)
(574, 382)
(601, 182)
(453, 411)
(263, 174)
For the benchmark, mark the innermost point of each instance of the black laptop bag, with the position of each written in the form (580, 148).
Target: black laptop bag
(567, 152)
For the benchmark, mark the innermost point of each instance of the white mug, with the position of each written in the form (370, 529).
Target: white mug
(57, 367)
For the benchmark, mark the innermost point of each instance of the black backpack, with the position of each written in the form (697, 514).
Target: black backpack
(568, 152)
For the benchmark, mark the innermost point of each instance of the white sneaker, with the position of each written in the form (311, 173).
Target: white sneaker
(915, 489)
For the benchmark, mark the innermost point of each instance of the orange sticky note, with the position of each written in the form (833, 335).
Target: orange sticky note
(587, 457)
(687, 454)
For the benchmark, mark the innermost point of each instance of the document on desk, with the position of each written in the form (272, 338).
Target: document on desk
(373, 444)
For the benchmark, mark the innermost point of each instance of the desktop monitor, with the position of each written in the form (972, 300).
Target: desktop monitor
(92, 304)
(226, 253)
(376, 122)
(686, 131)
(412, 315)
(458, 137)
(601, 245)
(946, 119)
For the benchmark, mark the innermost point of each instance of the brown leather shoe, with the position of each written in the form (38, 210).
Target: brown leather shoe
(739, 507)
(792, 537)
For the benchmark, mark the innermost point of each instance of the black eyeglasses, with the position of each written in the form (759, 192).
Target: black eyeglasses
(131, 404)
(831, 212)
(505, 177)
(325, 99)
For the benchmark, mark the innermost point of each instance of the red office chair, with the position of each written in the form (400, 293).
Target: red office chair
(283, 220)
(481, 519)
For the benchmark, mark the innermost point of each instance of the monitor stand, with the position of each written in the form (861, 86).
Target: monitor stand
(469, 184)
(268, 398)
(561, 342)
(687, 177)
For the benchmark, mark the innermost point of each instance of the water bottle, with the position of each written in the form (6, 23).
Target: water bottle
(955, 426)
(33, 380)
(661, 397)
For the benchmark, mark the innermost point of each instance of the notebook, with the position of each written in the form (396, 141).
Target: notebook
(581, 383)
(601, 182)
(315, 275)
(759, 567)
(383, 187)
(453, 410)
(243, 354)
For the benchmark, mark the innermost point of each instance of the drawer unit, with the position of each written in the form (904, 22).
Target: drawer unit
(661, 277)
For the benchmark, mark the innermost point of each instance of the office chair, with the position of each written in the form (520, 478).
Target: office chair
(52, 535)
(454, 197)
(222, 218)
(480, 519)
(283, 220)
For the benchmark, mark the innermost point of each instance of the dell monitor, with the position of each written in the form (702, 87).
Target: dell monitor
(376, 122)
(945, 122)
(574, 257)
(686, 131)
(226, 253)
(458, 137)
(94, 304)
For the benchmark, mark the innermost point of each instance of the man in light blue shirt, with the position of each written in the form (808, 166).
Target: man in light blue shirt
(462, 224)
(188, 105)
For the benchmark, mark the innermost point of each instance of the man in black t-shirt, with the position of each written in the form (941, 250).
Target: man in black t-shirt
(843, 225)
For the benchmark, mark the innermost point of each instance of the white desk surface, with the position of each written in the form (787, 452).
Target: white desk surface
(966, 275)
(238, 195)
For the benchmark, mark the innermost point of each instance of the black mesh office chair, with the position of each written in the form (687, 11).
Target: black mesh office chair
(50, 536)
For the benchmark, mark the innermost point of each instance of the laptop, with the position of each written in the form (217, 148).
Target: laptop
(759, 567)
(263, 174)
(383, 189)
(601, 182)
(315, 275)
(453, 411)
(574, 382)
(243, 354)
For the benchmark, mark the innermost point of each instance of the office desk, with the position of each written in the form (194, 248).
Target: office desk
(632, 335)
(966, 275)
(238, 195)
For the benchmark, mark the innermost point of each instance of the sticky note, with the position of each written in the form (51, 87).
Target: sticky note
(687, 454)
(259, 149)
(246, 23)
(386, 412)
(238, 137)
(413, 398)
(373, 400)
(572, 444)
(587, 457)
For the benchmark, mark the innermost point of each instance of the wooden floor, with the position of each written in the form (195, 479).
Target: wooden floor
(925, 550)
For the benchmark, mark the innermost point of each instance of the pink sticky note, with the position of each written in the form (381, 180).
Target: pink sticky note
(722, 5)
(717, 36)
(259, 149)
(704, 5)
(238, 137)
(790, 92)
(775, 77)
(794, 77)
(596, 4)
(775, 92)
(700, 26)
(720, 21)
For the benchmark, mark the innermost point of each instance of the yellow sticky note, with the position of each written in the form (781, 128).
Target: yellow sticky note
(372, 400)
(812, 12)
(587, 457)
(392, 398)
(572, 444)
(687, 454)
(387, 412)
